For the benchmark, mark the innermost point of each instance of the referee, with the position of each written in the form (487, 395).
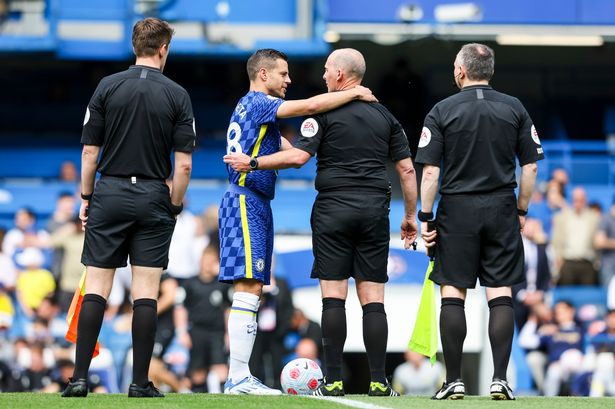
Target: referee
(137, 117)
(474, 136)
(350, 218)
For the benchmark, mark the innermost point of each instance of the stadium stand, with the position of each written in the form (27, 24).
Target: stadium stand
(55, 51)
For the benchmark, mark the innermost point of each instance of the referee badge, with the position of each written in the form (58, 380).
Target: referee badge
(260, 265)
(425, 137)
(534, 134)
(87, 116)
(309, 128)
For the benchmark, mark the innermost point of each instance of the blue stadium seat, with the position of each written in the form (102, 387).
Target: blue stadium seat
(37, 195)
(582, 295)
(36, 162)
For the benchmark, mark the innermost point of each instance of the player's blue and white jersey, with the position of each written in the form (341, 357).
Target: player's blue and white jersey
(253, 130)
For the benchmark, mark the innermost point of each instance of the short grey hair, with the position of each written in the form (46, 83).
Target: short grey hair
(350, 60)
(478, 60)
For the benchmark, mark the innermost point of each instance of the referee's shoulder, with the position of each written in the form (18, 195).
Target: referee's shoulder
(172, 85)
(447, 103)
(502, 97)
(112, 78)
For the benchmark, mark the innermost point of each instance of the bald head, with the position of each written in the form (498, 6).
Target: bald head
(350, 61)
(579, 199)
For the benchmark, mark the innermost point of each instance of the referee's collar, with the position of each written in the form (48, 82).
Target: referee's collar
(481, 86)
(147, 67)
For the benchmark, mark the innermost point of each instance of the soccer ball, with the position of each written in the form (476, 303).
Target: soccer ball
(300, 376)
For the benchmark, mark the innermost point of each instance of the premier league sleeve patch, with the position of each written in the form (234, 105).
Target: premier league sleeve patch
(425, 137)
(309, 128)
(534, 134)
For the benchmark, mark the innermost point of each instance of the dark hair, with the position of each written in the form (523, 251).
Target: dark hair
(65, 193)
(478, 60)
(64, 363)
(212, 249)
(149, 34)
(567, 303)
(263, 58)
(29, 212)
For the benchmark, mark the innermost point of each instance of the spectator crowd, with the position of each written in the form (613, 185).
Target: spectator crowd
(40, 269)
(564, 311)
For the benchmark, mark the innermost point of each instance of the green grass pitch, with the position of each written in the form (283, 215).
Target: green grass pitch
(205, 401)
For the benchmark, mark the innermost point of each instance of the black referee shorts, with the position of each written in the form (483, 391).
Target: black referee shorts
(207, 348)
(128, 218)
(350, 236)
(478, 236)
(164, 336)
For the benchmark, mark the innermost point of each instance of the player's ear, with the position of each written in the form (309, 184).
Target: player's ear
(164, 49)
(263, 74)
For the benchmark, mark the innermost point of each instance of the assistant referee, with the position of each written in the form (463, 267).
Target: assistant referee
(475, 136)
(137, 117)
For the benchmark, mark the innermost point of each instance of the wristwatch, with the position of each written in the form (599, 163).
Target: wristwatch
(521, 212)
(253, 163)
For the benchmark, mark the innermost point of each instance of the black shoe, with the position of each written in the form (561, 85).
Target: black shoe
(330, 389)
(454, 390)
(76, 388)
(500, 390)
(381, 389)
(149, 391)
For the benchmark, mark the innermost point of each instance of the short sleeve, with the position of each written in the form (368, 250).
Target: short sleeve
(184, 132)
(312, 130)
(398, 144)
(94, 122)
(265, 108)
(431, 142)
(529, 149)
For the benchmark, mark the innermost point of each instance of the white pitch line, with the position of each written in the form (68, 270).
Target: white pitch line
(349, 402)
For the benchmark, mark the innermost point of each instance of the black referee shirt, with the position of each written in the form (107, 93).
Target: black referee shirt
(475, 136)
(138, 116)
(206, 302)
(353, 144)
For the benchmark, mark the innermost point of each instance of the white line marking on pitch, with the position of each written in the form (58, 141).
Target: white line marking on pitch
(349, 402)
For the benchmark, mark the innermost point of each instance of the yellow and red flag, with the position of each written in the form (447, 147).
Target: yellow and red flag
(72, 318)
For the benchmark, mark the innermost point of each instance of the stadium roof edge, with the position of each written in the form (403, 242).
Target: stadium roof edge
(411, 31)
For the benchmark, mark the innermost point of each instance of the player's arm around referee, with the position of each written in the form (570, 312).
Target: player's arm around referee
(134, 121)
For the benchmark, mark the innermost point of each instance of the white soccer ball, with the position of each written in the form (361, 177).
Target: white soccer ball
(300, 376)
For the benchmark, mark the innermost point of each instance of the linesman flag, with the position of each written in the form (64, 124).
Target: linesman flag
(72, 318)
(424, 339)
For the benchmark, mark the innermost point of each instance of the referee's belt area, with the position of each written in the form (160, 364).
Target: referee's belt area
(132, 179)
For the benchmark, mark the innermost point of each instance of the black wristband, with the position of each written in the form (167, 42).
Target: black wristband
(87, 197)
(521, 212)
(177, 209)
(425, 217)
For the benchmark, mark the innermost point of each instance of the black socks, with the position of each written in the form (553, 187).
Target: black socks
(452, 333)
(501, 328)
(144, 322)
(333, 336)
(375, 336)
(90, 321)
